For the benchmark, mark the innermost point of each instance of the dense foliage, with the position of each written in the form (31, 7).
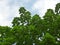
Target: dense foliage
(33, 30)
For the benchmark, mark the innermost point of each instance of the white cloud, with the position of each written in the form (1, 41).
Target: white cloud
(42, 5)
(3, 11)
(51, 3)
(8, 10)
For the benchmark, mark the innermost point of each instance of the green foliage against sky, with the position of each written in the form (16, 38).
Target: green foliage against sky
(30, 30)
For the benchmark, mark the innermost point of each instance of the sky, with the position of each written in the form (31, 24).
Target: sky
(10, 8)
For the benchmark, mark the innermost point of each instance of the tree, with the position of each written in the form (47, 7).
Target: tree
(57, 8)
(48, 40)
(6, 35)
(24, 18)
(33, 30)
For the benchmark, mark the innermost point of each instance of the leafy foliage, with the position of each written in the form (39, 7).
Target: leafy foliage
(33, 30)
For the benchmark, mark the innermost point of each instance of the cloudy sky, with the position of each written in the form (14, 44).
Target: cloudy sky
(9, 8)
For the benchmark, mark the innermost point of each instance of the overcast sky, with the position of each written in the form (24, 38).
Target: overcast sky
(9, 8)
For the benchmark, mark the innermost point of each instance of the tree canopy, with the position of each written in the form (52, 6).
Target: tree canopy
(33, 30)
